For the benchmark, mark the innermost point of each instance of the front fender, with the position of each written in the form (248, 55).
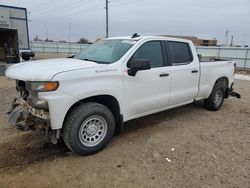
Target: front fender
(60, 102)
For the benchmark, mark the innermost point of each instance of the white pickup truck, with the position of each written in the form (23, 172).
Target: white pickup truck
(85, 99)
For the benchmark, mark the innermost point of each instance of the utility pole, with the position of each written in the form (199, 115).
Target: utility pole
(107, 18)
(226, 37)
(46, 32)
(69, 51)
(244, 40)
(69, 32)
(232, 39)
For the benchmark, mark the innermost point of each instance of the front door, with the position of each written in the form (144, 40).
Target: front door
(149, 90)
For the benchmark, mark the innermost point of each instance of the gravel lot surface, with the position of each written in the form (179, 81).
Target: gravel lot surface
(184, 147)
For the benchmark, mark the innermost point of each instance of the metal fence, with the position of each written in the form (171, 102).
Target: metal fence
(240, 55)
(57, 47)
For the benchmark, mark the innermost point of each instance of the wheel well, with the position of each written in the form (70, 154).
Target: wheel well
(108, 101)
(224, 80)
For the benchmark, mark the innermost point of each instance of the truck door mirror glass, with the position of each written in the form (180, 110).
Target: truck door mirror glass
(138, 65)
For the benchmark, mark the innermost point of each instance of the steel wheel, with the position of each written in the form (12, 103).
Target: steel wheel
(93, 130)
(218, 97)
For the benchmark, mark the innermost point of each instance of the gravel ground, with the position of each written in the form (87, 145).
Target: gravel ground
(183, 147)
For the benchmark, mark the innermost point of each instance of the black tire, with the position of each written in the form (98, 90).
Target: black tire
(26, 58)
(82, 116)
(212, 102)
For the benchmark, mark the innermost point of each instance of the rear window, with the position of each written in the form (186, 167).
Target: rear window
(180, 52)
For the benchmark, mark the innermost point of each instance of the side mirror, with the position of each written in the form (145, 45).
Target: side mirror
(138, 65)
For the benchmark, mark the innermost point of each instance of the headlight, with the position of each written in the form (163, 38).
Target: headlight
(42, 86)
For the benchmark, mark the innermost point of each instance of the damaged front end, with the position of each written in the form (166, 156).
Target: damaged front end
(25, 117)
(29, 113)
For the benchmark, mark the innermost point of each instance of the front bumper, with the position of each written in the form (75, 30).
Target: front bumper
(25, 117)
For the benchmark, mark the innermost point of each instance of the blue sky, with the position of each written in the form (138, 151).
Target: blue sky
(202, 18)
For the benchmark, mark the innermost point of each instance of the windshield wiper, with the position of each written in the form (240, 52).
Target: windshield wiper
(86, 59)
(100, 62)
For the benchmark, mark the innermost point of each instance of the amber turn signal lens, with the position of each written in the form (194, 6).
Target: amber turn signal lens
(50, 86)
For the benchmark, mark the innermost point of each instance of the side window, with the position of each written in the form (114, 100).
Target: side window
(151, 51)
(180, 52)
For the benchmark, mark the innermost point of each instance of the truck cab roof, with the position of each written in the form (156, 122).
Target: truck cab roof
(151, 37)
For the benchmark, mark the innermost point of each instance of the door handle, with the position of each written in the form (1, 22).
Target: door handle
(164, 74)
(194, 71)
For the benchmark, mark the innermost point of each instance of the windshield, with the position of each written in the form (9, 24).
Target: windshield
(106, 51)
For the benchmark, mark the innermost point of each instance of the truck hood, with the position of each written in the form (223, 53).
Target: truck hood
(44, 70)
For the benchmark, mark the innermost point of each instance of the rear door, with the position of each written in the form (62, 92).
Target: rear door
(184, 73)
(148, 91)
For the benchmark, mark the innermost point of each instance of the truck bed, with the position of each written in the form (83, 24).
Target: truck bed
(211, 59)
(210, 71)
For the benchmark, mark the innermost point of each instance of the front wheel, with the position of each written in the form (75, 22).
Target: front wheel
(216, 98)
(88, 128)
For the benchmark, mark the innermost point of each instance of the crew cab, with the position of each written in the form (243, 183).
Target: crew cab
(86, 99)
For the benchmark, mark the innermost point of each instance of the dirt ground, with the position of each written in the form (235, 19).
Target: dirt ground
(204, 149)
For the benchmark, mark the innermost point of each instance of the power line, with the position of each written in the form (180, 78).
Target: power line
(76, 4)
(69, 10)
(107, 13)
(44, 4)
(76, 13)
(60, 9)
(72, 9)
(123, 3)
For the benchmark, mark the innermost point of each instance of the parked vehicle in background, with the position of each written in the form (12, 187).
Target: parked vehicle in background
(14, 35)
(87, 98)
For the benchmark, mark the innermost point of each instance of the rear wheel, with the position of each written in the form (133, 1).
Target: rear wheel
(88, 128)
(216, 98)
